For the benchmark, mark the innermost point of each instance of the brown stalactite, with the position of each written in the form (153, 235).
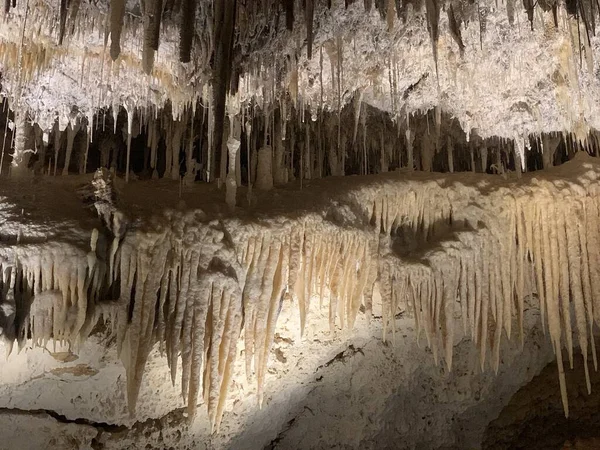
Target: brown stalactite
(433, 21)
(529, 6)
(510, 11)
(186, 30)
(400, 10)
(309, 15)
(117, 12)
(151, 23)
(288, 6)
(586, 21)
(380, 6)
(593, 17)
(156, 18)
(368, 4)
(224, 20)
(64, 8)
(390, 15)
(234, 84)
(455, 29)
(571, 6)
(73, 12)
(482, 15)
(147, 50)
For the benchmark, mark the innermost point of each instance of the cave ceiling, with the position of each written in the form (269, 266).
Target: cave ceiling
(506, 69)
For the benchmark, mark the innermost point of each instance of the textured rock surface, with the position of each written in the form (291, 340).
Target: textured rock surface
(533, 420)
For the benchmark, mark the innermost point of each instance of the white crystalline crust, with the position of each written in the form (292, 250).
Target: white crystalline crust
(196, 285)
(48, 81)
(510, 81)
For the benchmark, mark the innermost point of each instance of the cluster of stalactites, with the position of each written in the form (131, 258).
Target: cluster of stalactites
(215, 34)
(196, 286)
(185, 289)
(487, 267)
(542, 239)
(50, 293)
(190, 285)
(248, 18)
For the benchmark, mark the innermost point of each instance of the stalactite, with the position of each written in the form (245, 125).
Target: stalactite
(454, 25)
(130, 111)
(64, 9)
(288, 5)
(186, 30)
(224, 25)
(510, 11)
(529, 6)
(74, 6)
(4, 136)
(156, 8)
(482, 13)
(309, 13)
(390, 14)
(117, 12)
(151, 23)
(433, 18)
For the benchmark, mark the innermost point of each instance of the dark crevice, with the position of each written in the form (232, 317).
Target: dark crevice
(273, 444)
(176, 415)
(63, 419)
(342, 356)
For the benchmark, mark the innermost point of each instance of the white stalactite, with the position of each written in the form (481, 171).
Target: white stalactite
(130, 112)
